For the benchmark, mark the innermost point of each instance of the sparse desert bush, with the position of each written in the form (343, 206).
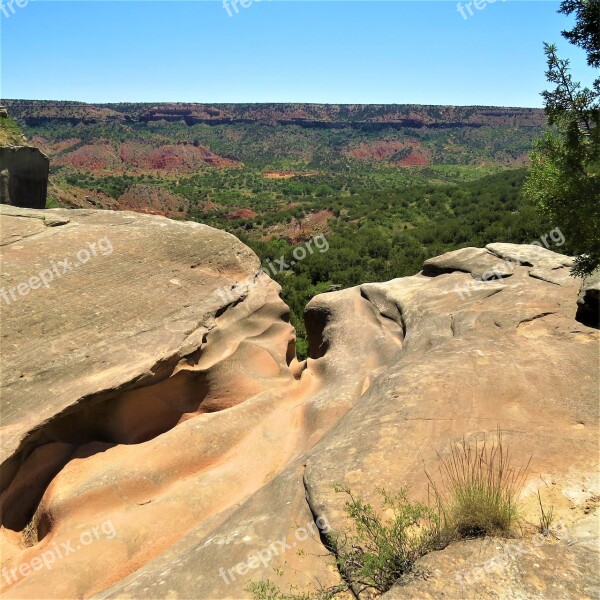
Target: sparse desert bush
(378, 550)
(476, 495)
(479, 489)
(265, 590)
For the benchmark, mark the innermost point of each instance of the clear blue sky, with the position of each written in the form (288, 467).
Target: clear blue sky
(281, 51)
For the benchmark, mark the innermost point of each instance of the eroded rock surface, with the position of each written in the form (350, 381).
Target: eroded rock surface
(165, 409)
(540, 567)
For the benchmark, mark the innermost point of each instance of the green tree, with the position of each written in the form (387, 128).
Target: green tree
(565, 175)
(586, 33)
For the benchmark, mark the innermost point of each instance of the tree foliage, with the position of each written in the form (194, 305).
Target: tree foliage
(565, 175)
(586, 33)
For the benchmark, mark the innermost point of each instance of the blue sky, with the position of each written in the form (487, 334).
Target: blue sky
(281, 51)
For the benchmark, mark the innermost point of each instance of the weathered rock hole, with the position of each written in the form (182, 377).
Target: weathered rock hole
(316, 320)
(588, 314)
(132, 417)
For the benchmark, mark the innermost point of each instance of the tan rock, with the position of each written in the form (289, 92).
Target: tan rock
(163, 398)
(480, 263)
(510, 355)
(537, 566)
(176, 424)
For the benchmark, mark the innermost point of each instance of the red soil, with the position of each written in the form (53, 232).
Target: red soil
(242, 213)
(134, 156)
(384, 150)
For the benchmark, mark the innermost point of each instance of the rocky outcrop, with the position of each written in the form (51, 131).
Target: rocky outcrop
(537, 567)
(588, 310)
(166, 433)
(23, 176)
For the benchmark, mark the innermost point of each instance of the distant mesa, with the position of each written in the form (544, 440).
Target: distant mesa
(373, 116)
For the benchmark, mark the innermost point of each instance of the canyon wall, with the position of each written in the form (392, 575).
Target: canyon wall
(36, 112)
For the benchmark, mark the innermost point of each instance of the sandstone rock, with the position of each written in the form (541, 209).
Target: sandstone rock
(168, 357)
(96, 301)
(481, 264)
(465, 368)
(178, 415)
(23, 176)
(536, 567)
(327, 388)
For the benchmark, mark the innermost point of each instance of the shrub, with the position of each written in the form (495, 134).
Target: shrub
(375, 553)
(380, 551)
(267, 590)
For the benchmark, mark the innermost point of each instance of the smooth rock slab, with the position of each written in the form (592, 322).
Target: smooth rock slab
(480, 263)
(105, 321)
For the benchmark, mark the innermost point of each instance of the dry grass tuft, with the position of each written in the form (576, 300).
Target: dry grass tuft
(479, 489)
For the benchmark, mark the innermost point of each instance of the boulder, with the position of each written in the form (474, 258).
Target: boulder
(23, 176)
(588, 302)
(480, 263)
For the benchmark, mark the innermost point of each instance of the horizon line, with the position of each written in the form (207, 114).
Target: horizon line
(312, 103)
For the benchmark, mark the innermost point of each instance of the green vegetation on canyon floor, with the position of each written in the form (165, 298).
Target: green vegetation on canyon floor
(387, 186)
